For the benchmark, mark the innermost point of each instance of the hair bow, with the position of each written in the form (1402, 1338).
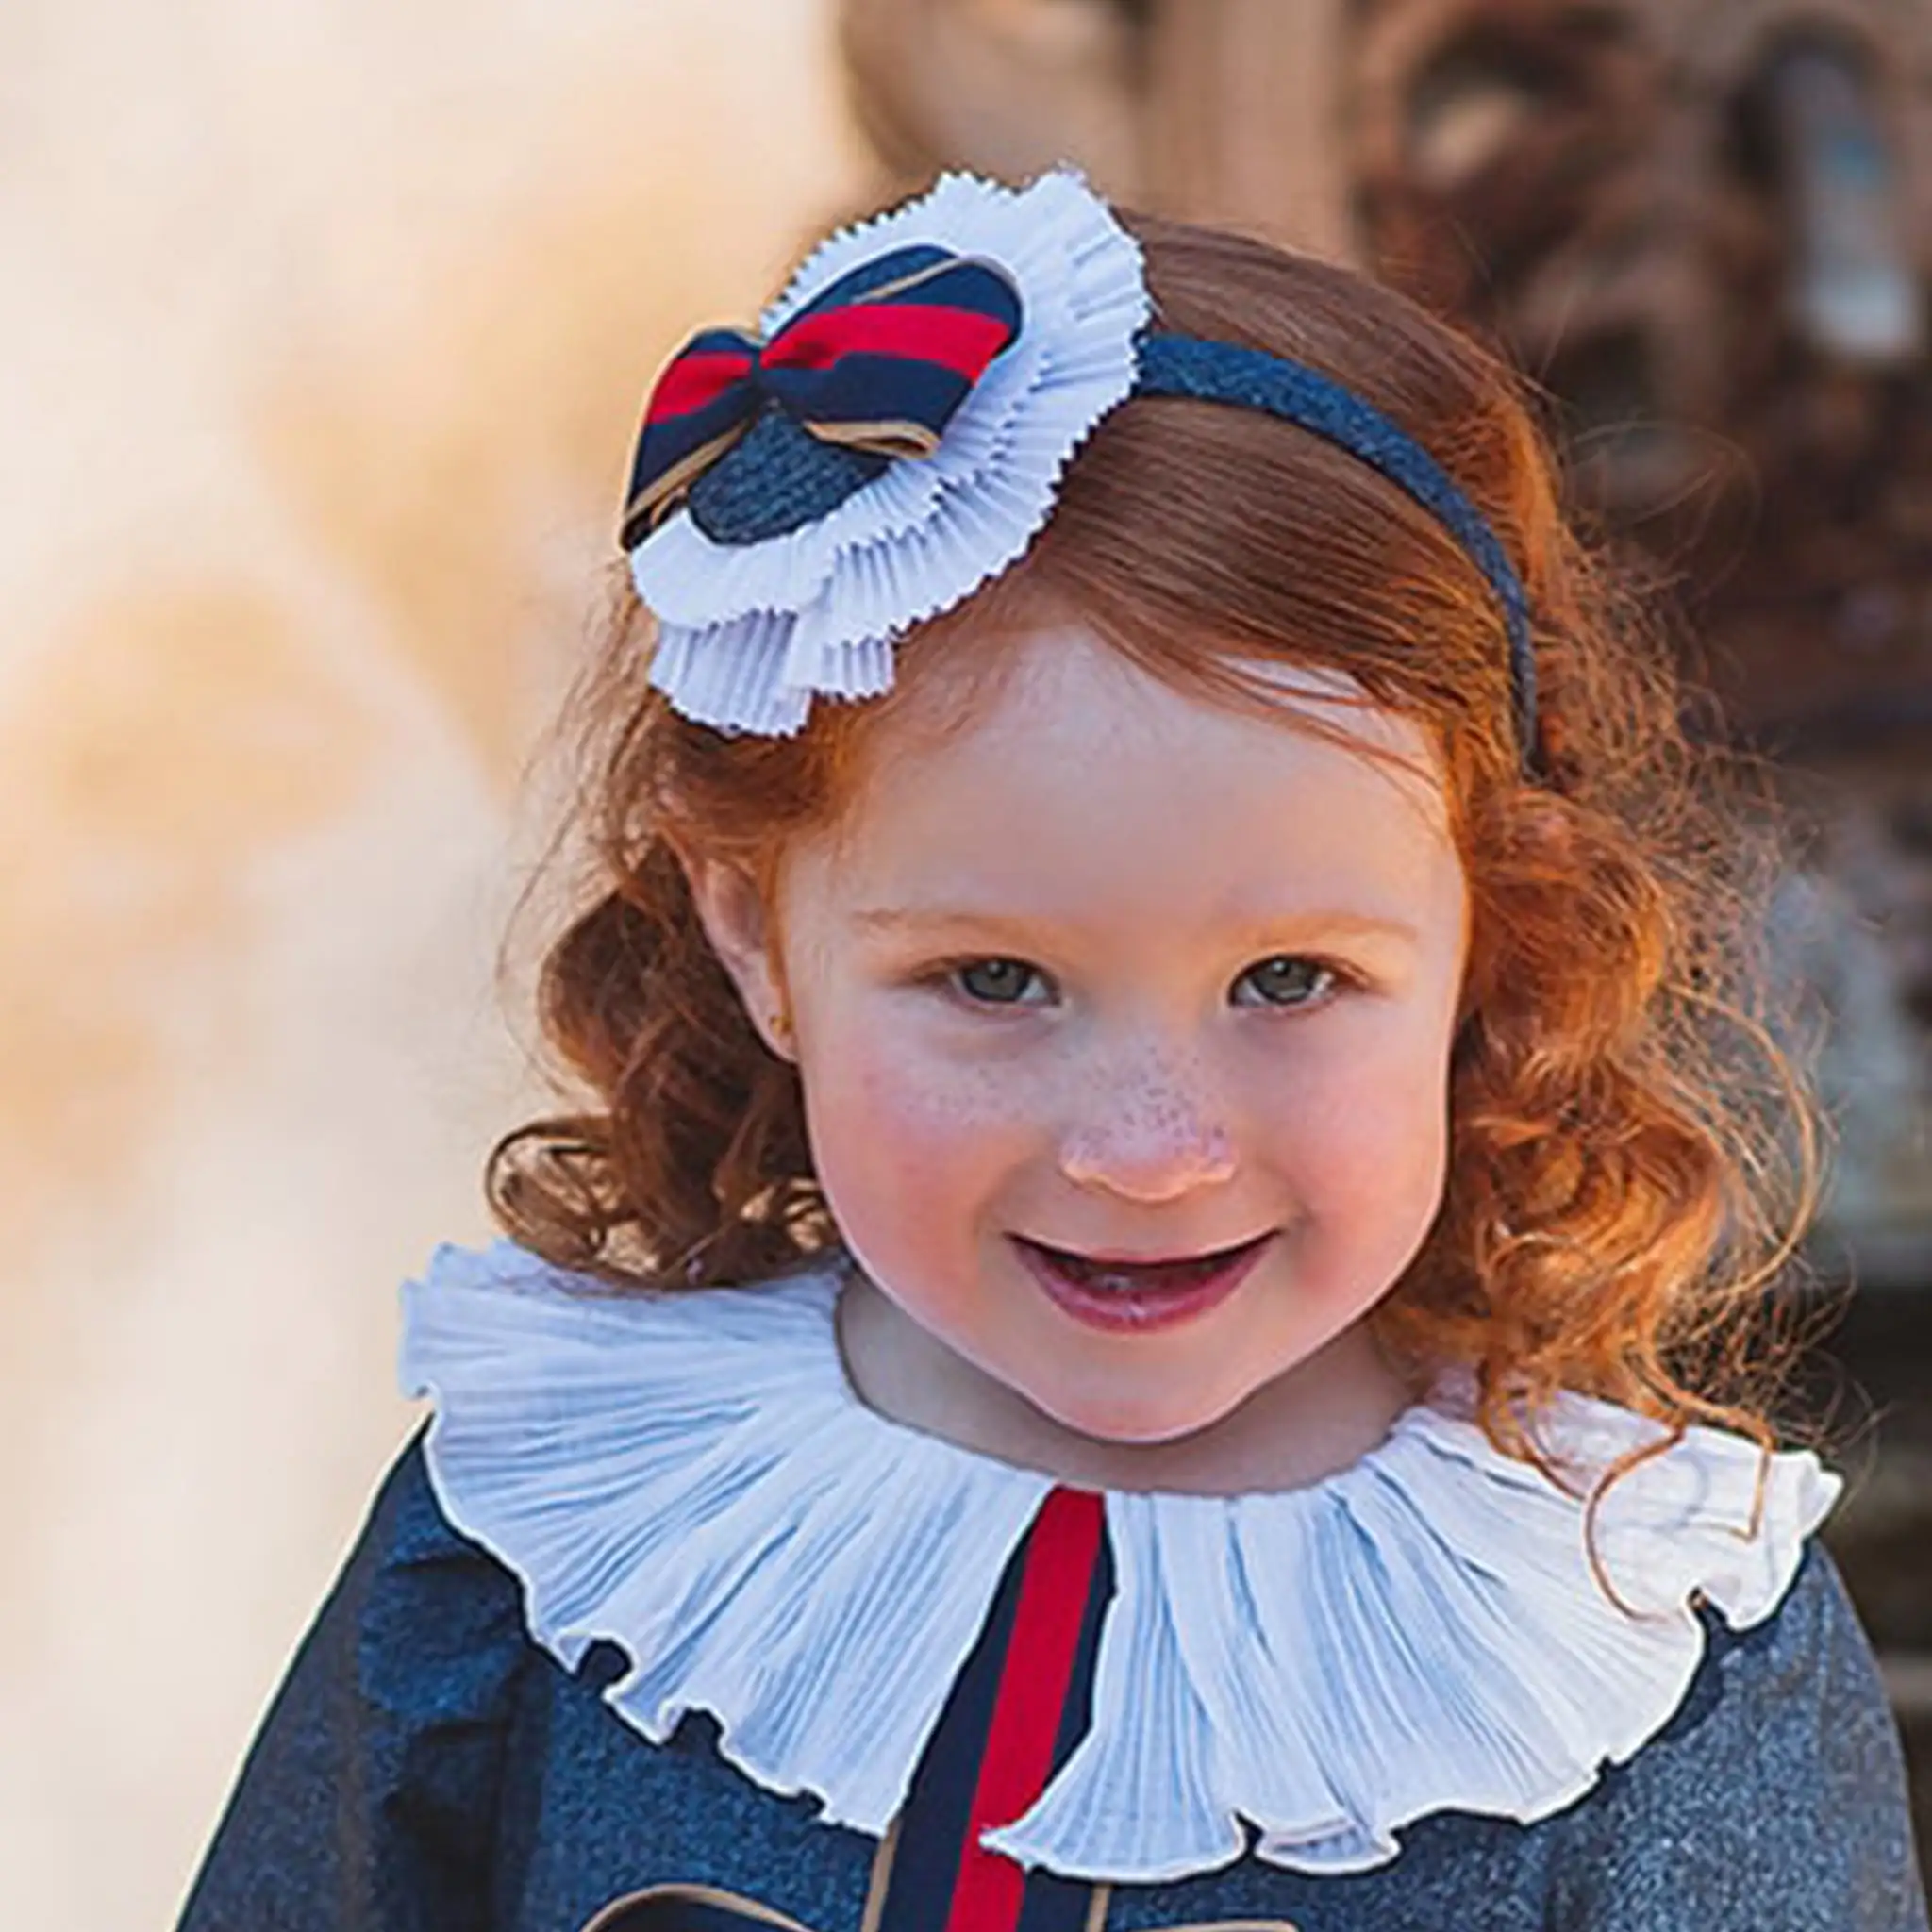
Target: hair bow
(877, 365)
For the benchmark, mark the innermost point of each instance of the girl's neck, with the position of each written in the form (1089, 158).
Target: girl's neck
(1319, 1418)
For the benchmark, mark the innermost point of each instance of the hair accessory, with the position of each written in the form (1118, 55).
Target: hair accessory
(1228, 373)
(877, 366)
(748, 630)
(897, 437)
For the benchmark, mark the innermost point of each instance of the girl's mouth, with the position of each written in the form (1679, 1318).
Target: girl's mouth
(1135, 1298)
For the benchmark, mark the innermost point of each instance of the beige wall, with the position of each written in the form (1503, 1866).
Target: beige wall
(323, 327)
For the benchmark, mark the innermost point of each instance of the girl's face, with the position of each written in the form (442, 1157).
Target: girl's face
(1118, 972)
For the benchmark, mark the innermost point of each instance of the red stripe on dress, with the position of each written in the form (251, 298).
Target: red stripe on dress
(961, 340)
(1034, 1682)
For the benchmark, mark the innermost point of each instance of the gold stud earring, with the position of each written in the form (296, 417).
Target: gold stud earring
(781, 1028)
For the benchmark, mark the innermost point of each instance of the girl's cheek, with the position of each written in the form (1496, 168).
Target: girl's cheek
(922, 1122)
(1378, 1179)
(1358, 1141)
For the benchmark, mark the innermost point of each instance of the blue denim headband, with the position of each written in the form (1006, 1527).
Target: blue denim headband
(1211, 371)
(780, 478)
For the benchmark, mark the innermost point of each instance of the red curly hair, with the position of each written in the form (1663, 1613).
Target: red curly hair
(1633, 1154)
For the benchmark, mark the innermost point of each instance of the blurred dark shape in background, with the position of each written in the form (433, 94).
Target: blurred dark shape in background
(1703, 227)
(1703, 230)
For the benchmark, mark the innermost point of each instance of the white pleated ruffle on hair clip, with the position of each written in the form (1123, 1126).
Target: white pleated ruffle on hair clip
(751, 625)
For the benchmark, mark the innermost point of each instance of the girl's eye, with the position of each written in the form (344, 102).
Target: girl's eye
(1290, 980)
(1283, 982)
(998, 979)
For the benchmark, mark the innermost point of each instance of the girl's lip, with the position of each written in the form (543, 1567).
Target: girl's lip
(1107, 1257)
(1139, 1310)
(1120, 1258)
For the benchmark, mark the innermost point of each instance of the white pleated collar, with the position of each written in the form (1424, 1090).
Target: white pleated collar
(692, 1476)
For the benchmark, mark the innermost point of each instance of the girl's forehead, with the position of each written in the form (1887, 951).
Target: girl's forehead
(1064, 710)
(1075, 759)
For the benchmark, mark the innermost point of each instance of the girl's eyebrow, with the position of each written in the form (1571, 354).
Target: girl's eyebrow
(1333, 924)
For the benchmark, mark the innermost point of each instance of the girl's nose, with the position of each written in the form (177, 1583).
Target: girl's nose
(1151, 1142)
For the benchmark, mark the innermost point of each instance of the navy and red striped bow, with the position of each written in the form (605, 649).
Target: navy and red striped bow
(878, 362)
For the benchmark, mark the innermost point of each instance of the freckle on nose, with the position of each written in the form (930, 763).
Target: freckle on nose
(1153, 1116)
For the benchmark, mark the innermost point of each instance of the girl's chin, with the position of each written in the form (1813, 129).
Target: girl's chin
(1129, 1427)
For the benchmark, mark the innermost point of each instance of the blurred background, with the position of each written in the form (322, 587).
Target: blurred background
(325, 331)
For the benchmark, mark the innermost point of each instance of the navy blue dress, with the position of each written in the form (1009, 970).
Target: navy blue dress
(426, 1768)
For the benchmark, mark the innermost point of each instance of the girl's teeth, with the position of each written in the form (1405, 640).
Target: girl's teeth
(1122, 1278)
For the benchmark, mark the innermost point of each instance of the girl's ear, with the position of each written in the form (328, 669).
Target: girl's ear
(732, 912)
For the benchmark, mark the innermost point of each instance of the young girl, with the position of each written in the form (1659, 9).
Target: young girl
(1145, 1324)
